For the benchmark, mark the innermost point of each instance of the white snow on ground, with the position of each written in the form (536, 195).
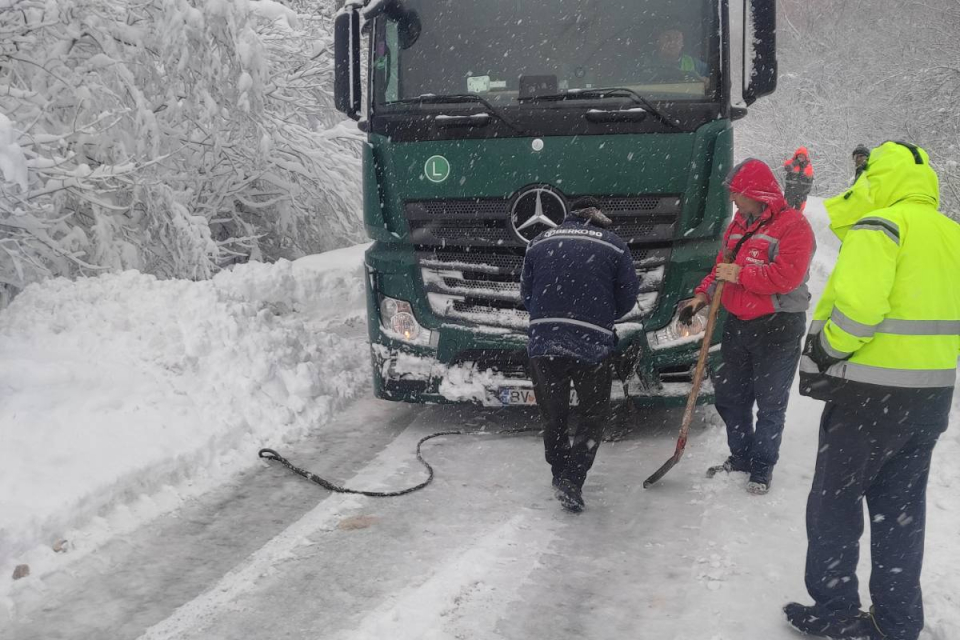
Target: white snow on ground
(121, 395)
(125, 394)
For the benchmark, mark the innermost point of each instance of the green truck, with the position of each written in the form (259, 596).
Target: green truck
(484, 119)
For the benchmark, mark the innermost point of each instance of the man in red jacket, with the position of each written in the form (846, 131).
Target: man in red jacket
(765, 258)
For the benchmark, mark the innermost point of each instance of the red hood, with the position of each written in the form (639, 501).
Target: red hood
(755, 180)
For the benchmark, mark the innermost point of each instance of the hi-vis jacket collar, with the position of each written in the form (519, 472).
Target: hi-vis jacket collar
(895, 172)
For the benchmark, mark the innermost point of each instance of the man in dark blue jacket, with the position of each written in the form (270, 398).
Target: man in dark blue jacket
(577, 280)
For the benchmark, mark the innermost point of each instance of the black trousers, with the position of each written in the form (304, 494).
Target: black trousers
(882, 452)
(571, 445)
(760, 359)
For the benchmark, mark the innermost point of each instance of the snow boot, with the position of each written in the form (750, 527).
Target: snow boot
(834, 625)
(569, 495)
(760, 479)
(758, 488)
(733, 463)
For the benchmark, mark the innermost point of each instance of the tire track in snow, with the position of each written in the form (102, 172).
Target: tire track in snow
(192, 617)
(466, 597)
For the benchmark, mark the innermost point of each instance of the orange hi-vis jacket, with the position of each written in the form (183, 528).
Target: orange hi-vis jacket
(798, 182)
(800, 163)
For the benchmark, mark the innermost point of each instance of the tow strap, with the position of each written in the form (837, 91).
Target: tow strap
(270, 454)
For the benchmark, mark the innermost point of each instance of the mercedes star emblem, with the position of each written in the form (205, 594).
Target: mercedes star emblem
(536, 210)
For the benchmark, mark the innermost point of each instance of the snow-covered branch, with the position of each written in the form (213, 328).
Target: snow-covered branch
(152, 135)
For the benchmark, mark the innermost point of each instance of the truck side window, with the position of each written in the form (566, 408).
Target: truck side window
(392, 90)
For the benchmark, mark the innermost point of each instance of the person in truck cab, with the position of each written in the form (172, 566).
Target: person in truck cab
(670, 54)
(764, 260)
(577, 279)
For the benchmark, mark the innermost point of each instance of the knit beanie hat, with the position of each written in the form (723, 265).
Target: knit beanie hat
(588, 208)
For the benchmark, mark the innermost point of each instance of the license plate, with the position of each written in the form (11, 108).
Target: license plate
(525, 396)
(517, 395)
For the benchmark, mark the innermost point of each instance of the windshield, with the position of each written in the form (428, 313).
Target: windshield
(509, 50)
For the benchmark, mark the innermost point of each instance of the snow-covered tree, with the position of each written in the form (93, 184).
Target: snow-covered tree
(862, 72)
(170, 136)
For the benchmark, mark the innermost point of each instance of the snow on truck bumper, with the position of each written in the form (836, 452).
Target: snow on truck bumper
(662, 378)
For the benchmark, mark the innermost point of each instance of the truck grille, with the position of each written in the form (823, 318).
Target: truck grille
(470, 258)
(485, 222)
(482, 286)
(508, 363)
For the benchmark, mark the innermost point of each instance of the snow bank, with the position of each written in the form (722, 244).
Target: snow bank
(121, 395)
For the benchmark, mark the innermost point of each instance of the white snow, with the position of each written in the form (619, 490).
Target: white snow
(123, 394)
(275, 11)
(13, 164)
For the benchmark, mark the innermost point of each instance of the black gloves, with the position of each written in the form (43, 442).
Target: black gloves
(686, 314)
(815, 351)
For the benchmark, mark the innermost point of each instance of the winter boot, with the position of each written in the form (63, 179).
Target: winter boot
(569, 495)
(834, 625)
(760, 479)
(758, 488)
(733, 463)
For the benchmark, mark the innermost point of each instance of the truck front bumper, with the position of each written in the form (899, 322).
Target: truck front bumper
(499, 377)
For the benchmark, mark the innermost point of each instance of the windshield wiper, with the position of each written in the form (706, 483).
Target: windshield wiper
(586, 94)
(454, 98)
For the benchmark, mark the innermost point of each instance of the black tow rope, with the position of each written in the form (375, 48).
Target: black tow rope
(270, 454)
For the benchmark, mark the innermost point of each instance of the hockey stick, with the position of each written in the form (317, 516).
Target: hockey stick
(694, 389)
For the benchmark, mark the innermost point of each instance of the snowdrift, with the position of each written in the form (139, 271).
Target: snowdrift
(121, 395)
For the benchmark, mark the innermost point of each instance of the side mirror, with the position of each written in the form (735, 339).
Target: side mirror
(408, 21)
(409, 29)
(759, 49)
(346, 56)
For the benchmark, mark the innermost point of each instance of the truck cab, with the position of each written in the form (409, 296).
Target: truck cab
(484, 120)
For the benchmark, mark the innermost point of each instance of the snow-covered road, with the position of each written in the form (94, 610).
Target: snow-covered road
(484, 552)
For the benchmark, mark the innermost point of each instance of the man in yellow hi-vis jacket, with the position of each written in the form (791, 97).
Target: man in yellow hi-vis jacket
(882, 352)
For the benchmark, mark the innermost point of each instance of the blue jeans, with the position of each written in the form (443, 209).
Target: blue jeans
(759, 363)
(879, 451)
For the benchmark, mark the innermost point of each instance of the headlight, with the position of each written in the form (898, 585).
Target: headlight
(677, 333)
(398, 322)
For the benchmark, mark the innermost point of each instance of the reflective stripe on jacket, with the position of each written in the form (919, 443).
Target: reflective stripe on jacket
(891, 309)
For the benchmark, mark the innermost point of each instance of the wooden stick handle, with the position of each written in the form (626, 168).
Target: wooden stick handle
(701, 367)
